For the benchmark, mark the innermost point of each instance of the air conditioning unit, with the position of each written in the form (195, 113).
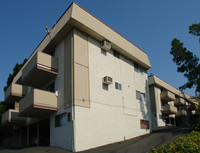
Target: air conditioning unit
(105, 45)
(107, 80)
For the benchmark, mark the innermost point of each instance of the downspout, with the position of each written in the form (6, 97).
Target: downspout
(73, 103)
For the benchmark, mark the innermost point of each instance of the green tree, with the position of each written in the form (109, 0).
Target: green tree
(2, 107)
(16, 69)
(194, 29)
(187, 62)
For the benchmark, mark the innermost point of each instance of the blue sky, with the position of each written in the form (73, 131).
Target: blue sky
(150, 25)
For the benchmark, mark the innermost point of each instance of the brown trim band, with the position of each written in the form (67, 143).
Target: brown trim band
(46, 107)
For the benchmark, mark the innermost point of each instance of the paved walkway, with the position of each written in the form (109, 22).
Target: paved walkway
(160, 136)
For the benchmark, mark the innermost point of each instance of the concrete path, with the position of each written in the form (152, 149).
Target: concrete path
(160, 136)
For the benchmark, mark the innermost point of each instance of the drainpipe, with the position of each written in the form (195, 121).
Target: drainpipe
(73, 104)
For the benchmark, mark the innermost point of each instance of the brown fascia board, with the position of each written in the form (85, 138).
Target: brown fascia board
(154, 80)
(160, 83)
(92, 26)
(77, 17)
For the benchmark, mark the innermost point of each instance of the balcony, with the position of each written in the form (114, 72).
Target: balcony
(181, 113)
(192, 106)
(179, 102)
(167, 96)
(41, 69)
(172, 115)
(11, 117)
(38, 104)
(14, 93)
(168, 109)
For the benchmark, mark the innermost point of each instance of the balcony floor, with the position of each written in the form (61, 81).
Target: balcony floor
(37, 112)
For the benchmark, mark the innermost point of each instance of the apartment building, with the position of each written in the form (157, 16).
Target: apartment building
(83, 87)
(169, 106)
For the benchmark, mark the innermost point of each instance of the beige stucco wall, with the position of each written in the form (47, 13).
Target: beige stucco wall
(68, 69)
(113, 115)
(73, 82)
(156, 106)
(62, 136)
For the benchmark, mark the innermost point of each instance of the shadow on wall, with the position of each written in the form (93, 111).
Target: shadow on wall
(145, 105)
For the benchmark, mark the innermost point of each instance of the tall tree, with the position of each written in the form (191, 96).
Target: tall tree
(3, 108)
(194, 29)
(187, 62)
(16, 69)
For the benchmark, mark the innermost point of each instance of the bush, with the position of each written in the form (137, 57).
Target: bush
(197, 126)
(189, 143)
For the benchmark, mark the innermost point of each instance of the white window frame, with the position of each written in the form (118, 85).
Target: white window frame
(140, 96)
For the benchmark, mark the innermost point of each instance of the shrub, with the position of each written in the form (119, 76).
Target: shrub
(197, 126)
(189, 143)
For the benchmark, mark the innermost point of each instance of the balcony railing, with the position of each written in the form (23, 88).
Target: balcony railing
(14, 93)
(11, 117)
(38, 104)
(42, 68)
(179, 102)
(167, 96)
(181, 113)
(169, 109)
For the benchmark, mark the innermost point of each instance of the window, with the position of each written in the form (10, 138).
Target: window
(138, 68)
(118, 86)
(116, 54)
(51, 87)
(144, 124)
(60, 120)
(140, 96)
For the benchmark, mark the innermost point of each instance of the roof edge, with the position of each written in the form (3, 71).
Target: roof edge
(108, 26)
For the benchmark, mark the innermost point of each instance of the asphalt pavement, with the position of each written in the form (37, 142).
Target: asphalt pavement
(160, 136)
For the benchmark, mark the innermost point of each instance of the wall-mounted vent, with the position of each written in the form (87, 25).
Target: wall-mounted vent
(107, 80)
(105, 45)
